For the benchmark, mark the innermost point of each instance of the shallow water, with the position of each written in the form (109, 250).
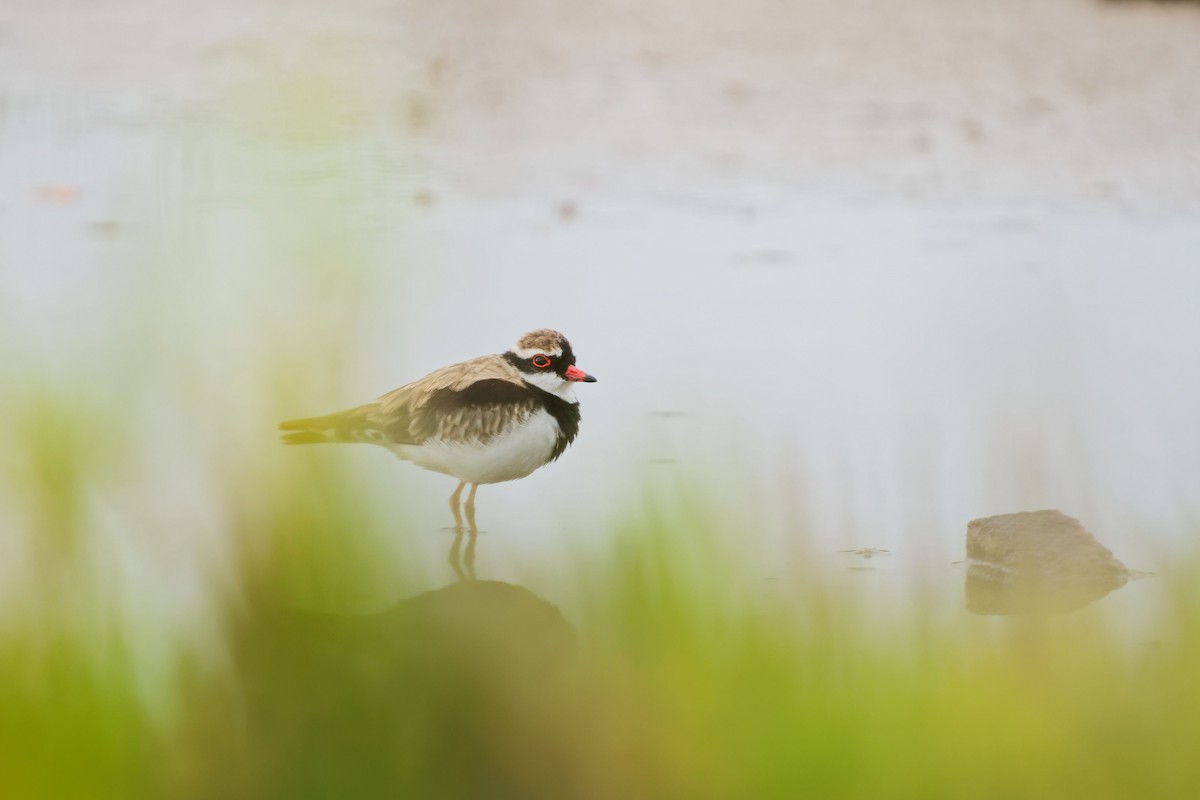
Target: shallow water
(864, 299)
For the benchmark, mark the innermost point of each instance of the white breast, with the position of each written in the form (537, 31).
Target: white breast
(512, 455)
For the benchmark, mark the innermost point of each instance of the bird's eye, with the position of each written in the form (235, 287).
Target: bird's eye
(540, 361)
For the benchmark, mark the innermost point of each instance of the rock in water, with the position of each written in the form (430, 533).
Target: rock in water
(1037, 562)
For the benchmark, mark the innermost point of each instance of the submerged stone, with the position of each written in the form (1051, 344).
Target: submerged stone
(1037, 562)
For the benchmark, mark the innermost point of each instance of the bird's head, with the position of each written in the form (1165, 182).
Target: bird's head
(545, 359)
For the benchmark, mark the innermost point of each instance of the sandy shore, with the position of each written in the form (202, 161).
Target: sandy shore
(1073, 101)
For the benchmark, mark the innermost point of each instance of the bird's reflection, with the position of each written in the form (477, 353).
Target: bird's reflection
(463, 562)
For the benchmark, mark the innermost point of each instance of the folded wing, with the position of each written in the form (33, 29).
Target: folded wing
(471, 401)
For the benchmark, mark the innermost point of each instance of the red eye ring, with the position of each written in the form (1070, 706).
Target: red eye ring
(540, 361)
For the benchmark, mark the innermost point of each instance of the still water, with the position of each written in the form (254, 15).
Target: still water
(830, 311)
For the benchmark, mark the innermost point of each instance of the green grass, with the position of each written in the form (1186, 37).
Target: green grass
(671, 681)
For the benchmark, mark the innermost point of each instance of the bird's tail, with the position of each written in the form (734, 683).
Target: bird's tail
(344, 426)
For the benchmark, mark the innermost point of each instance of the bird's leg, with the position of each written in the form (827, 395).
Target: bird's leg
(454, 504)
(470, 508)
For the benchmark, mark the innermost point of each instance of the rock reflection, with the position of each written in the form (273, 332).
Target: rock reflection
(1037, 562)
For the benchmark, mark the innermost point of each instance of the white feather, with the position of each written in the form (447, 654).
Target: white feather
(514, 454)
(553, 383)
(530, 352)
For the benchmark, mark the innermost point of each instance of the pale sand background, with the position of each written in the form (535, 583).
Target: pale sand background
(1069, 100)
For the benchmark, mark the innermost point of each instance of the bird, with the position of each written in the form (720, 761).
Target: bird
(490, 419)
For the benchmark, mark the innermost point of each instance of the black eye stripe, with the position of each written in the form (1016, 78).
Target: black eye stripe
(557, 364)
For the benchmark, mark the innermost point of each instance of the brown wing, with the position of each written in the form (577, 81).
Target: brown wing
(470, 401)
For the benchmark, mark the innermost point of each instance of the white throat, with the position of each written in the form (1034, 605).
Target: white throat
(553, 383)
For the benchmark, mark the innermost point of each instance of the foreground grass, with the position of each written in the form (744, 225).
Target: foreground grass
(665, 686)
